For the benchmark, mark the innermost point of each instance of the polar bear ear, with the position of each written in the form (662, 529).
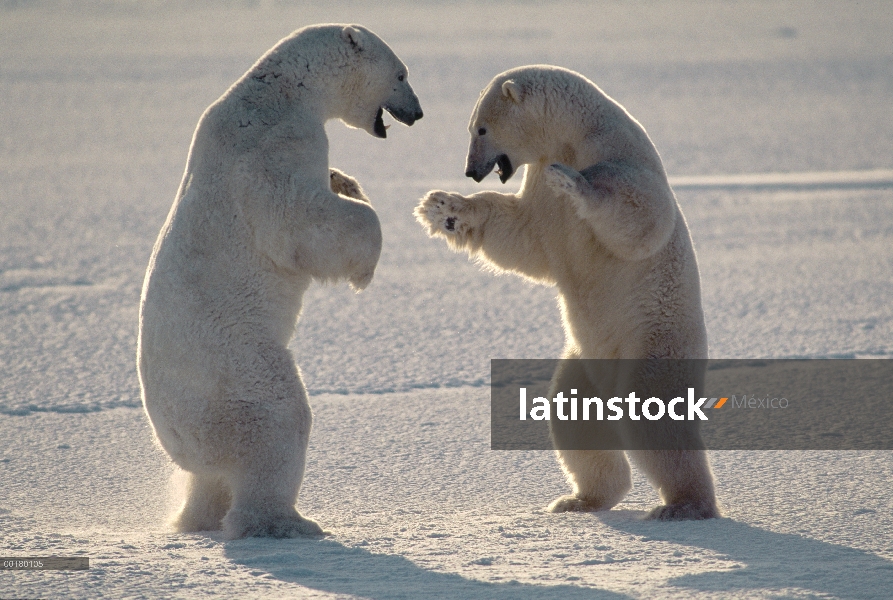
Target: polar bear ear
(512, 91)
(354, 37)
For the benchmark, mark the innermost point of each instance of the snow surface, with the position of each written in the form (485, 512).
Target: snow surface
(99, 101)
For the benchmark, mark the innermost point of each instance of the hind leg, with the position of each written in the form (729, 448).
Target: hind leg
(674, 459)
(267, 473)
(683, 480)
(599, 479)
(207, 501)
(264, 506)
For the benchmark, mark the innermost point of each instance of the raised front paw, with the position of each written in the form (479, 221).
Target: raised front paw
(563, 179)
(445, 213)
(345, 185)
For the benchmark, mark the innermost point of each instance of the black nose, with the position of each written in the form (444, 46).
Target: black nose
(419, 115)
(474, 175)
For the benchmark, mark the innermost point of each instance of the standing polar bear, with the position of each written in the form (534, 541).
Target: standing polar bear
(596, 217)
(259, 214)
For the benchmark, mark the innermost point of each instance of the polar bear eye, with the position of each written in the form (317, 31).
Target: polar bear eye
(401, 77)
(482, 131)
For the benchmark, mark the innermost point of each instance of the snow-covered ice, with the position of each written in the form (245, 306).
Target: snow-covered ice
(772, 117)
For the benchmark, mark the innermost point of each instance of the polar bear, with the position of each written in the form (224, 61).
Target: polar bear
(258, 216)
(595, 216)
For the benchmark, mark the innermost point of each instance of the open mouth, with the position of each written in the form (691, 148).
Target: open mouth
(379, 128)
(405, 116)
(504, 168)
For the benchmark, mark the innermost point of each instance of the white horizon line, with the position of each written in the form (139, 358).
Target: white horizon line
(803, 180)
(872, 178)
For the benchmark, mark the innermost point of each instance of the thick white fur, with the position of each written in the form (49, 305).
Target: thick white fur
(258, 216)
(595, 216)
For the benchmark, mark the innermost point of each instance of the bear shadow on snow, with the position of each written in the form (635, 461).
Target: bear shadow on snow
(329, 566)
(772, 560)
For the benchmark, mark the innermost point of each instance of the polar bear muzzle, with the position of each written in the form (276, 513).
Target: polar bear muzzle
(505, 169)
(407, 116)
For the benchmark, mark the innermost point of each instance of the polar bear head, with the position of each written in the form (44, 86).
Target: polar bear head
(336, 71)
(374, 81)
(522, 115)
